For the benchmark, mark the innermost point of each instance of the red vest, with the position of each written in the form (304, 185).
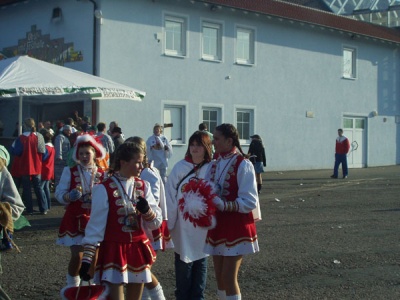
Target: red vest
(48, 165)
(116, 230)
(81, 206)
(30, 162)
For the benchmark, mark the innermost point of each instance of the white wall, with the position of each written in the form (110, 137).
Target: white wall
(298, 69)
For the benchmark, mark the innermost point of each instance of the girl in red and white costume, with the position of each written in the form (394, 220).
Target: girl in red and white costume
(122, 205)
(238, 207)
(75, 192)
(160, 238)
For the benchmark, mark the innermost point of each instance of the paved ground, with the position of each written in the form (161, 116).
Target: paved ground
(320, 238)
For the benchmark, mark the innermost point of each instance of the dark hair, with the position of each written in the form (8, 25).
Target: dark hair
(101, 126)
(340, 129)
(229, 131)
(126, 152)
(203, 126)
(69, 121)
(202, 138)
(47, 136)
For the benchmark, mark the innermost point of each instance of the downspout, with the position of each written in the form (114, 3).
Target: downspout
(94, 63)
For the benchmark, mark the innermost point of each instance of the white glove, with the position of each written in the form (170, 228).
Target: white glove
(219, 203)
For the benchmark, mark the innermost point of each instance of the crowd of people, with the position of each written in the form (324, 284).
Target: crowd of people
(121, 207)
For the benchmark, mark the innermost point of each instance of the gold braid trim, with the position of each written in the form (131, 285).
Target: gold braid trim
(149, 216)
(231, 206)
(66, 197)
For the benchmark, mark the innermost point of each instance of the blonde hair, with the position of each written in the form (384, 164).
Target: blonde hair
(137, 140)
(29, 123)
(158, 126)
(126, 152)
(2, 163)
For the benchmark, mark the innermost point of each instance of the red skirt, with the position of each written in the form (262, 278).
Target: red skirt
(232, 230)
(75, 219)
(125, 262)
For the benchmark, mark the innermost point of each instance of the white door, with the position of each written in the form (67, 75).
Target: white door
(354, 128)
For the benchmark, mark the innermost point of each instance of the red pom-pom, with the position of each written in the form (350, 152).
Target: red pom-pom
(197, 204)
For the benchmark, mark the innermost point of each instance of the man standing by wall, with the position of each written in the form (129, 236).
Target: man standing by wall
(341, 150)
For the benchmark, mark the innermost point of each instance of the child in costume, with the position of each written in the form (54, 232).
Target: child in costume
(75, 192)
(238, 207)
(160, 237)
(189, 239)
(122, 205)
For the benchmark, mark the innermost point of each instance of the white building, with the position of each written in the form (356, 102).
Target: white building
(291, 74)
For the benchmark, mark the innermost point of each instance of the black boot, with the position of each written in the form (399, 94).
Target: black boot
(259, 185)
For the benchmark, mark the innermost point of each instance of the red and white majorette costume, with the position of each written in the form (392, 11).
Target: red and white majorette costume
(235, 232)
(160, 238)
(83, 178)
(125, 253)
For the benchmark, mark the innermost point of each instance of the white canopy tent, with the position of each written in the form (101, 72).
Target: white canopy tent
(23, 77)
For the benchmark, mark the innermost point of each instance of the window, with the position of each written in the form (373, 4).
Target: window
(244, 123)
(347, 123)
(175, 35)
(212, 41)
(211, 116)
(244, 46)
(175, 115)
(349, 63)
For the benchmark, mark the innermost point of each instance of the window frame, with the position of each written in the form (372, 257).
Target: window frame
(252, 45)
(182, 127)
(252, 121)
(352, 74)
(219, 42)
(211, 107)
(184, 22)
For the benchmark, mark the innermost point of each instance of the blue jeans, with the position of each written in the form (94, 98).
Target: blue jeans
(190, 279)
(45, 187)
(340, 159)
(27, 182)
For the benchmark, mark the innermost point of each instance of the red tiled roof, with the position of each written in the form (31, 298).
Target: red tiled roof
(312, 16)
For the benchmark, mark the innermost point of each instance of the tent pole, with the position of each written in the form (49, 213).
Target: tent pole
(20, 116)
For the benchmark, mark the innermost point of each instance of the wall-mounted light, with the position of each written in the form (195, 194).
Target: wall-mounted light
(56, 15)
(374, 113)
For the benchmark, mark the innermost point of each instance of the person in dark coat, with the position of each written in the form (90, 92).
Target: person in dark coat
(256, 155)
(117, 138)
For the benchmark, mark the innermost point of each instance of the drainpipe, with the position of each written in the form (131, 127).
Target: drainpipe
(94, 63)
(94, 70)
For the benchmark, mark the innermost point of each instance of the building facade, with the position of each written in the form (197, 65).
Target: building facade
(291, 74)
